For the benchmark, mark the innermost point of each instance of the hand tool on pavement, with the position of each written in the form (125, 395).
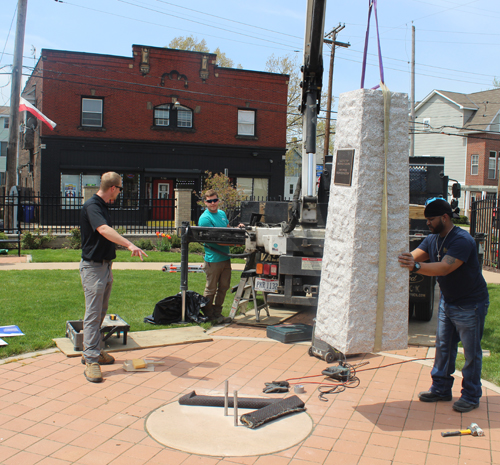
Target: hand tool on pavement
(473, 430)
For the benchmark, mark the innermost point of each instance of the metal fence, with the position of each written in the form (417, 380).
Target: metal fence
(485, 220)
(29, 212)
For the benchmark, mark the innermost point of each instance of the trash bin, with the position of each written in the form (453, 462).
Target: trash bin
(29, 213)
(479, 237)
(421, 304)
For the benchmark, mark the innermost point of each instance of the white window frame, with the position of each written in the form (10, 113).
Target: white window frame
(184, 117)
(427, 124)
(474, 165)
(92, 113)
(162, 115)
(492, 165)
(246, 122)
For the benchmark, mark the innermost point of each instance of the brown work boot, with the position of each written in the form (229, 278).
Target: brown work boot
(104, 359)
(93, 373)
(221, 320)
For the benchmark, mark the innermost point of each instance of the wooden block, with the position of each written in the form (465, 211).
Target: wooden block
(139, 363)
(417, 212)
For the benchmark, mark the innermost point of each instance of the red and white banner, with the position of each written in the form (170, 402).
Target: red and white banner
(24, 105)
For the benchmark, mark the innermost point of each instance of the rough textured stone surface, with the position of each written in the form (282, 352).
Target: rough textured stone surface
(346, 317)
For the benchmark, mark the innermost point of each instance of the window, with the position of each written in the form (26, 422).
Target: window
(427, 124)
(92, 112)
(163, 190)
(254, 187)
(246, 123)
(474, 164)
(173, 116)
(6, 123)
(492, 165)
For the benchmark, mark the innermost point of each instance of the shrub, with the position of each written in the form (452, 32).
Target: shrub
(237, 249)
(6, 245)
(121, 231)
(145, 244)
(462, 220)
(163, 245)
(176, 241)
(196, 247)
(35, 239)
(75, 238)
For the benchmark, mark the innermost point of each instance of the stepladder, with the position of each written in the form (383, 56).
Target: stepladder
(245, 291)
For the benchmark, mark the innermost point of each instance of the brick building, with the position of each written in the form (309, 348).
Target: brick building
(161, 119)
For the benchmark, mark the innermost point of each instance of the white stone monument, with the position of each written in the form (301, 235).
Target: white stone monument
(357, 311)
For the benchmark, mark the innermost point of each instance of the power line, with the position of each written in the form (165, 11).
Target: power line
(231, 20)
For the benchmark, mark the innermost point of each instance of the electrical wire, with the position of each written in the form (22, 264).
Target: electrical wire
(353, 381)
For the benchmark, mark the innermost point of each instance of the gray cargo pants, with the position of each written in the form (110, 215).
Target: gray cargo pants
(97, 281)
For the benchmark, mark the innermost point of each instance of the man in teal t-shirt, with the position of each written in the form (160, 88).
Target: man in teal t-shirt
(217, 265)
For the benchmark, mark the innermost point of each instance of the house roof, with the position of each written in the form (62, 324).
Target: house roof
(485, 106)
(4, 111)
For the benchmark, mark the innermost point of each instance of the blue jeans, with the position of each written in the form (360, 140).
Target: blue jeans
(455, 324)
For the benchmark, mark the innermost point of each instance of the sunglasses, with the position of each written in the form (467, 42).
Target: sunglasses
(119, 187)
(212, 200)
(428, 201)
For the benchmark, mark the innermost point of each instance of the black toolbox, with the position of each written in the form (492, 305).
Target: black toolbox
(290, 333)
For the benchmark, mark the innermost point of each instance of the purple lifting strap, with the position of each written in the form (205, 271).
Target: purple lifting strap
(380, 64)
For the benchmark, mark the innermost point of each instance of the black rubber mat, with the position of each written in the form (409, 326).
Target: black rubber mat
(218, 401)
(271, 412)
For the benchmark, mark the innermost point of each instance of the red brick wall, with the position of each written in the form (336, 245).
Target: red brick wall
(129, 97)
(481, 145)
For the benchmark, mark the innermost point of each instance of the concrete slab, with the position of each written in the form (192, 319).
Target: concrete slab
(143, 339)
(206, 431)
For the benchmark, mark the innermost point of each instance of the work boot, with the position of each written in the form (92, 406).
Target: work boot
(463, 406)
(104, 359)
(221, 320)
(429, 396)
(93, 373)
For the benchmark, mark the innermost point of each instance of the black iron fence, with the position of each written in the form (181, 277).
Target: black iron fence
(29, 212)
(485, 223)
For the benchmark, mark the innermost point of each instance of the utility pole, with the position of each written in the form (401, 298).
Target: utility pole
(15, 92)
(412, 94)
(330, 39)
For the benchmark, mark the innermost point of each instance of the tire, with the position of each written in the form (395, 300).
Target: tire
(310, 352)
(423, 311)
(330, 357)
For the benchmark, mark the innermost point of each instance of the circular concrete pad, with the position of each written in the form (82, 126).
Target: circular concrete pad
(206, 431)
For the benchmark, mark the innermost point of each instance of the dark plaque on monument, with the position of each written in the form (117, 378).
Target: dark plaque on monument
(343, 167)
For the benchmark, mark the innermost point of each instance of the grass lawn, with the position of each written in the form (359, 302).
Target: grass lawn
(71, 255)
(41, 301)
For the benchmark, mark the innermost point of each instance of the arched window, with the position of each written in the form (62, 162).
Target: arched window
(173, 116)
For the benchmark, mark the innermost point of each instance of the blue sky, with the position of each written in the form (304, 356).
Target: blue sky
(457, 42)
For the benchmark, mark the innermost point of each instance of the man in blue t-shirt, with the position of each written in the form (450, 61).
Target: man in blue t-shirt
(217, 265)
(463, 305)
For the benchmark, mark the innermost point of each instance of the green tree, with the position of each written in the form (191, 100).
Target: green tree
(496, 82)
(229, 195)
(189, 43)
(192, 43)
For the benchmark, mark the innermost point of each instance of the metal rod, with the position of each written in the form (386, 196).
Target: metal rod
(226, 397)
(235, 394)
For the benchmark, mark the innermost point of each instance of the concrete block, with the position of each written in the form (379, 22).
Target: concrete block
(347, 310)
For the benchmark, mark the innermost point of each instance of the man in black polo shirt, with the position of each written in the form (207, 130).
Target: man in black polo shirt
(98, 251)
